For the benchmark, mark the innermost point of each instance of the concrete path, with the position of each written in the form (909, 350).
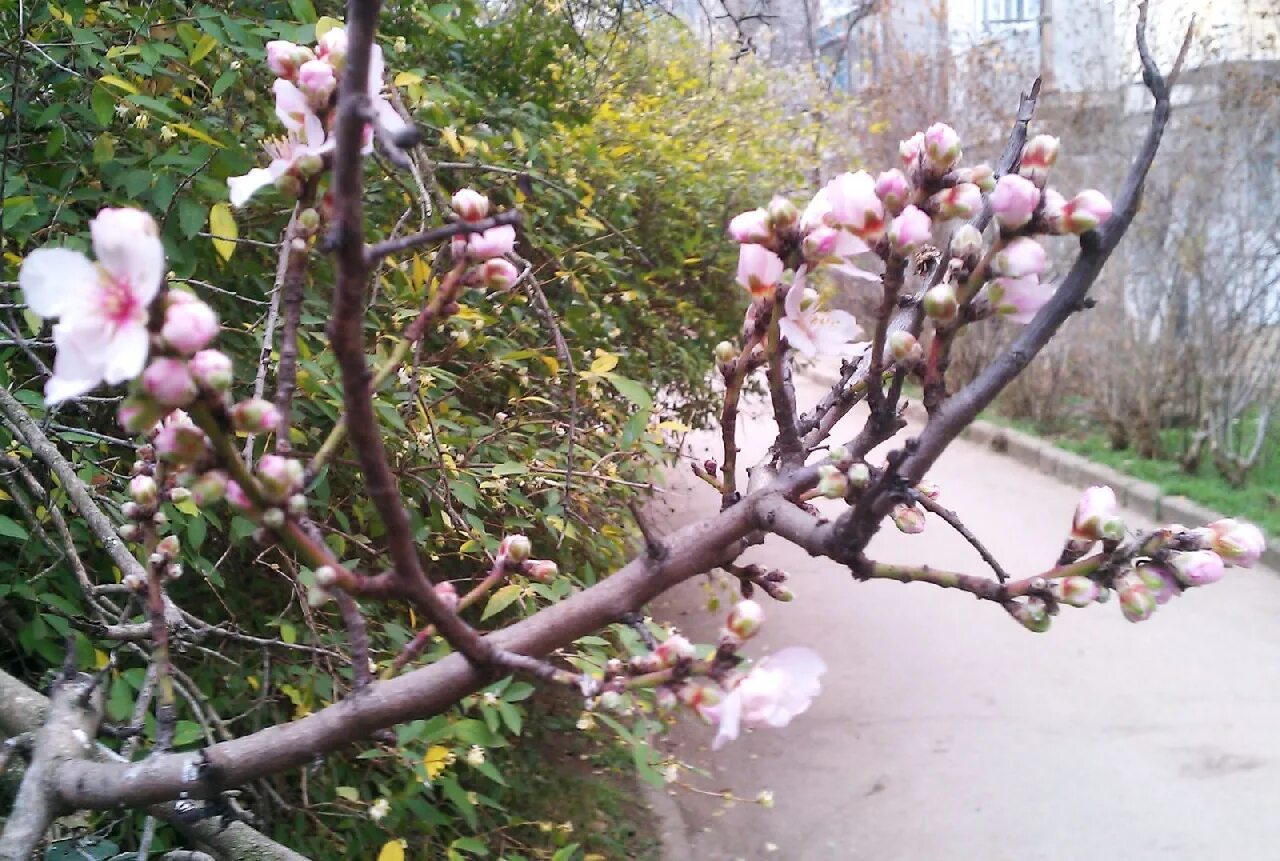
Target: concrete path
(945, 731)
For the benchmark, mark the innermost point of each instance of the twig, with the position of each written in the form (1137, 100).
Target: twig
(953, 520)
(374, 253)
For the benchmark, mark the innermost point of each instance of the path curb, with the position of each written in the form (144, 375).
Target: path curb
(1141, 496)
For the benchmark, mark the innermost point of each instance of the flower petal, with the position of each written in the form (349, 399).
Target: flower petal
(389, 119)
(797, 334)
(241, 188)
(291, 105)
(126, 354)
(730, 718)
(54, 280)
(127, 244)
(77, 367)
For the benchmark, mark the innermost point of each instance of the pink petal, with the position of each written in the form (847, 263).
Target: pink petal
(730, 720)
(241, 188)
(797, 335)
(56, 279)
(291, 105)
(126, 354)
(127, 245)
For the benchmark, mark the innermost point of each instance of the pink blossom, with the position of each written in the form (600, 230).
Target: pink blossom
(494, 242)
(498, 273)
(910, 150)
(143, 490)
(1052, 210)
(280, 477)
(745, 619)
(1013, 201)
(237, 498)
(469, 204)
(1197, 567)
(332, 47)
(1040, 151)
(751, 227)
(1022, 256)
(962, 200)
(284, 58)
(189, 324)
(255, 415)
(759, 269)
(317, 81)
(211, 369)
(812, 331)
(101, 334)
(1019, 299)
(542, 570)
(941, 147)
(776, 689)
(1087, 210)
(817, 213)
(168, 382)
(1237, 541)
(674, 649)
(1136, 601)
(855, 205)
(893, 189)
(910, 230)
(178, 440)
(301, 151)
(1096, 505)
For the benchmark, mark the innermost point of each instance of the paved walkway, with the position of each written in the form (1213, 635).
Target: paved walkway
(945, 731)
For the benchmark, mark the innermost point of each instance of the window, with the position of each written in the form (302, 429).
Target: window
(998, 12)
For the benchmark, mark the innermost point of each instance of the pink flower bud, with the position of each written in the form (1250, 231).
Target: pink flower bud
(139, 414)
(542, 570)
(1237, 541)
(941, 304)
(745, 619)
(284, 58)
(279, 476)
(910, 150)
(910, 230)
(962, 200)
(754, 226)
(903, 346)
(1085, 211)
(494, 242)
(941, 148)
(143, 490)
(499, 273)
(980, 175)
(168, 382)
(169, 546)
(1096, 505)
(908, 518)
(189, 325)
(238, 499)
(1040, 151)
(855, 206)
(317, 82)
(1136, 601)
(332, 48)
(1032, 614)
(759, 270)
(1013, 201)
(966, 243)
(832, 482)
(515, 548)
(1076, 591)
(893, 189)
(211, 369)
(783, 213)
(1159, 581)
(209, 488)
(1019, 298)
(179, 441)
(1022, 256)
(674, 649)
(255, 415)
(1197, 568)
(448, 595)
(1051, 211)
(469, 204)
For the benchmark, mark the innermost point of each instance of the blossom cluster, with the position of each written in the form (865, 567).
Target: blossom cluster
(305, 91)
(485, 250)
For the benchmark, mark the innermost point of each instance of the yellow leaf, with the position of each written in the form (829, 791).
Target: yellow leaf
(253, 682)
(222, 224)
(350, 793)
(552, 363)
(202, 48)
(120, 83)
(451, 138)
(404, 79)
(196, 133)
(392, 850)
(518, 140)
(604, 363)
(100, 658)
(325, 24)
(436, 760)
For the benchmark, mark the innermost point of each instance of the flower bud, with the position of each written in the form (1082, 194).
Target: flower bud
(180, 442)
(1096, 505)
(1076, 591)
(941, 304)
(910, 151)
(173, 571)
(1040, 151)
(317, 597)
(1051, 210)
(859, 475)
(665, 699)
(980, 175)
(1159, 581)
(1136, 601)
(832, 482)
(139, 414)
(752, 227)
(966, 243)
(273, 518)
(297, 505)
(1032, 614)
(941, 148)
(1087, 210)
(892, 188)
(209, 488)
(238, 499)
(1197, 567)
(962, 200)
(169, 546)
(289, 185)
(168, 382)
(908, 518)
(783, 213)
(1237, 541)
(143, 490)
(135, 582)
(255, 415)
(515, 548)
(1022, 256)
(308, 221)
(131, 510)
(725, 353)
(498, 273)
(542, 570)
(308, 164)
(326, 576)
(1013, 201)
(211, 370)
(448, 595)
(188, 325)
(159, 518)
(178, 495)
(928, 489)
(911, 229)
(469, 204)
(332, 47)
(279, 476)
(903, 346)
(284, 58)
(674, 649)
(317, 82)
(745, 619)
(1111, 529)
(839, 455)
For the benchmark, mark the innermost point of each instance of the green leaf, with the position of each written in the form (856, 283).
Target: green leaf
(501, 600)
(350, 793)
(566, 853)
(12, 529)
(509, 469)
(103, 105)
(474, 845)
(303, 10)
(187, 732)
(288, 633)
(631, 390)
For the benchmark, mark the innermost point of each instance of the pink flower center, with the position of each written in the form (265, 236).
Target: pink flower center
(120, 304)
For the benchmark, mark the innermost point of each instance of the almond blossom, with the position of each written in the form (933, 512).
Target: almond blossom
(101, 334)
(1019, 299)
(759, 269)
(776, 689)
(809, 330)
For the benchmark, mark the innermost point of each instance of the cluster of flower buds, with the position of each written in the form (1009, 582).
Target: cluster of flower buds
(485, 249)
(770, 581)
(306, 82)
(514, 553)
(841, 475)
